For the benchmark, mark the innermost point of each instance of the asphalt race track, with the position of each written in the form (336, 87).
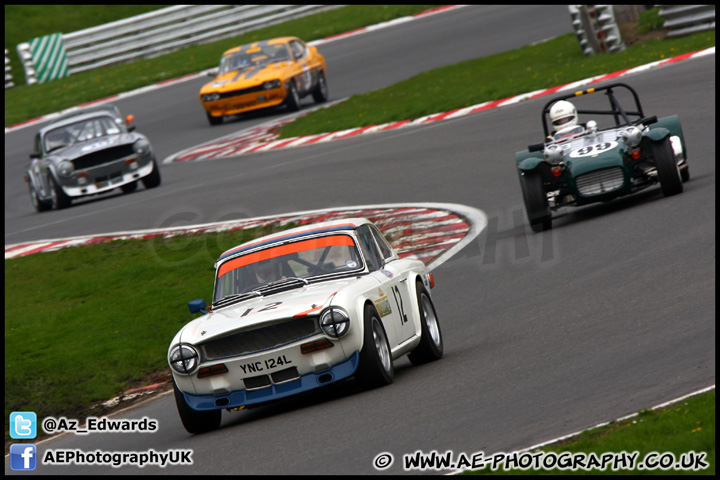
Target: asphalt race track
(609, 313)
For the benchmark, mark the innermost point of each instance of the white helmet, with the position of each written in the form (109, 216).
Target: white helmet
(563, 114)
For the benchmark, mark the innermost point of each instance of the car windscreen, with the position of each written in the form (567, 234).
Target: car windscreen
(82, 131)
(249, 57)
(300, 259)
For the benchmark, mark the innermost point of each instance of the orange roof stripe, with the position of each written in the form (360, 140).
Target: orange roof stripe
(279, 251)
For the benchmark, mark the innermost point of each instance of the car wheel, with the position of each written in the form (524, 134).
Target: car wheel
(214, 120)
(39, 205)
(376, 367)
(536, 203)
(59, 199)
(668, 172)
(194, 421)
(431, 344)
(153, 179)
(293, 99)
(129, 187)
(320, 94)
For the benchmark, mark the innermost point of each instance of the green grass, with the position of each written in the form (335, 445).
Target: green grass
(687, 426)
(26, 102)
(556, 62)
(650, 20)
(85, 323)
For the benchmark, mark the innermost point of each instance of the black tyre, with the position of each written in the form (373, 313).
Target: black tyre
(152, 180)
(214, 120)
(376, 367)
(430, 347)
(293, 98)
(196, 422)
(59, 199)
(129, 187)
(39, 205)
(320, 94)
(667, 168)
(536, 203)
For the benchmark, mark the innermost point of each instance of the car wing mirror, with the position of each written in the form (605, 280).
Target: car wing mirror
(198, 305)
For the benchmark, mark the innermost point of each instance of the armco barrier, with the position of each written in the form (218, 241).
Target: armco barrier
(164, 31)
(688, 19)
(44, 58)
(8, 72)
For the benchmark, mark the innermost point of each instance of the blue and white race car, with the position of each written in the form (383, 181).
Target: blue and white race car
(300, 309)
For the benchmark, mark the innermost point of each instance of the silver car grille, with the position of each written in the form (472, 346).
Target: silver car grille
(264, 338)
(103, 156)
(600, 181)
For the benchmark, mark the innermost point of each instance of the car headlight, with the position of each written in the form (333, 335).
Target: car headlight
(335, 322)
(271, 84)
(553, 154)
(66, 168)
(632, 136)
(142, 147)
(210, 97)
(184, 359)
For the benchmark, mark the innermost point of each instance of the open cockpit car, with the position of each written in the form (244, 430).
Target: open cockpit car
(264, 74)
(298, 310)
(88, 152)
(588, 163)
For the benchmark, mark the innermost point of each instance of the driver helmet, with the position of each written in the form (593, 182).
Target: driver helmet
(563, 114)
(267, 271)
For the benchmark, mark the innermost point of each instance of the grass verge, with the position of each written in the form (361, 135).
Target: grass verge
(680, 435)
(86, 323)
(556, 62)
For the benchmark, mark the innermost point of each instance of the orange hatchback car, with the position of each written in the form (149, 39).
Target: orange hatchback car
(264, 74)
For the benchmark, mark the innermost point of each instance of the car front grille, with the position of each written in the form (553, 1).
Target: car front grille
(600, 181)
(103, 156)
(264, 338)
(243, 91)
(262, 381)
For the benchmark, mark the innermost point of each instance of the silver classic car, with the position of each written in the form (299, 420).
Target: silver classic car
(88, 152)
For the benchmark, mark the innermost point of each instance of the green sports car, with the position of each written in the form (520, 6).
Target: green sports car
(583, 163)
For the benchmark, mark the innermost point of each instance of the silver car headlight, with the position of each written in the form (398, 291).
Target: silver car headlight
(553, 154)
(210, 97)
(66, 168)
(632, 136)
(142, 147)
(335, 322)
(184, 359)
(271, 84)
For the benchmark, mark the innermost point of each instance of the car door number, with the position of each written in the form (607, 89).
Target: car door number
(399, 303)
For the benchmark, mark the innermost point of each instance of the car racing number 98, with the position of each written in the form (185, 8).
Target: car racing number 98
(592, 150)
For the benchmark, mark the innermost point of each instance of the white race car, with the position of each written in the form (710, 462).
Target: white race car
(297, 310)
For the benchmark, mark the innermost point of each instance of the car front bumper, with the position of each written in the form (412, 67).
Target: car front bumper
(306, 382)
(245, 103)
(108, 177)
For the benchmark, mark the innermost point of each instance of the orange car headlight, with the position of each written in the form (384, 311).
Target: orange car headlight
(271, 84)
(210, 97)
